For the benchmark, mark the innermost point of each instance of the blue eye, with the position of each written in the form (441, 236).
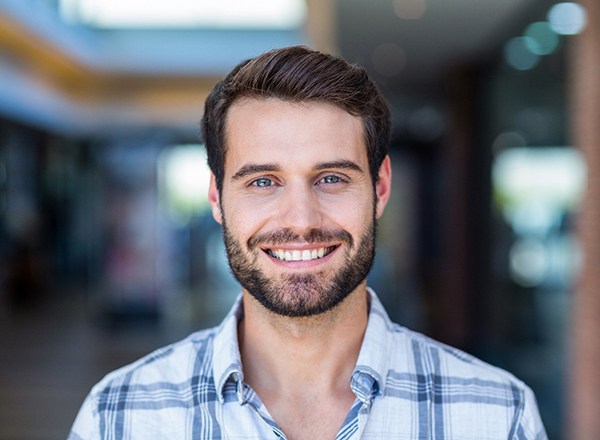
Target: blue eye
(331, 179)
(262, 182)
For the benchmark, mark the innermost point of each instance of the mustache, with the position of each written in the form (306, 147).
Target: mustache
(285, 236)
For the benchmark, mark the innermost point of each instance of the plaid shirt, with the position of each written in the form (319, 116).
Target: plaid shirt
(407, 386)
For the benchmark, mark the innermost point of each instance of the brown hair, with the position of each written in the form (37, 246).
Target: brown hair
(298, 74)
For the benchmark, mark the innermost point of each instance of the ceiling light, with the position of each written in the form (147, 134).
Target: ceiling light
(265, 14)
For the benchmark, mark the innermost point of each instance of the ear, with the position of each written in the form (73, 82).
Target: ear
(214, 199)
(383, 187)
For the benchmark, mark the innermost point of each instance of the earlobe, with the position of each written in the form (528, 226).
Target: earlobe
(214, 199)
(383, 187)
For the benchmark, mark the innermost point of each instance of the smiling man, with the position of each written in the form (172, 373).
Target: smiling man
(297, 144)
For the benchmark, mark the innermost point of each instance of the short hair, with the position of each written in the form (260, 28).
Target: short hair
(298, 74)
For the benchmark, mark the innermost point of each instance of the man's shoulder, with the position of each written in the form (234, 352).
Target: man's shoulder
(431, 358)
(458, 386)
(153, 393)
(169, 365)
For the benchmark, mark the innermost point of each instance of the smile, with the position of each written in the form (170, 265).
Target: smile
(300, 255)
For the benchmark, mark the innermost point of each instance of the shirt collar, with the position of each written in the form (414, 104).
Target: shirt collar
(368, 378)
(227, 361)
(370, 373)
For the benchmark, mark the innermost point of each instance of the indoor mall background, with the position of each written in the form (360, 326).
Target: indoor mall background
(107, 246)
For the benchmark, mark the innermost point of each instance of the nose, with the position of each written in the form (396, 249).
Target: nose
(300, 208)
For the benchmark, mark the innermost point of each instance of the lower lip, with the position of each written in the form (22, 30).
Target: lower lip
(303, 264)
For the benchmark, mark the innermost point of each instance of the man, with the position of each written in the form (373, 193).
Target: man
(297, 145)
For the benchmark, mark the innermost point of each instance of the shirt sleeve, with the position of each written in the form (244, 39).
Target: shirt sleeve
(530, 425)
(86, 425)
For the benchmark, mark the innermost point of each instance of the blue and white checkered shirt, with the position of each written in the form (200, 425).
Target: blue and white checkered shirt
(407, 386)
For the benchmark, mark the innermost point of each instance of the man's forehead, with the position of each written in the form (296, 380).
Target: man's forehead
(251, 121)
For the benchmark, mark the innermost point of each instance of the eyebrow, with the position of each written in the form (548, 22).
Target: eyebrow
(251, 168)
(340, 164)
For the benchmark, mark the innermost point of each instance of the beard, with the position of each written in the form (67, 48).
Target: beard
(305, 294)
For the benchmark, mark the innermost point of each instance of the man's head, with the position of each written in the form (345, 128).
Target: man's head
(298, 74)
(297, 144)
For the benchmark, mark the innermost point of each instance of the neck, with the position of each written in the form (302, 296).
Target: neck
(286, 356)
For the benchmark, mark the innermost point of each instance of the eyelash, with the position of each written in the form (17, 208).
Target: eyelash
(339, 179)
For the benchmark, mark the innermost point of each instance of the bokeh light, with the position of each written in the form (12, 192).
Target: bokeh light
(541, 39)
(551, 175)
(528, 262)
(518, 55)
(410, 9)
(567, 18)
(185, 177)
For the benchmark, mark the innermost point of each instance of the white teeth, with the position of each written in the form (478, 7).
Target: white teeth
(299, 255)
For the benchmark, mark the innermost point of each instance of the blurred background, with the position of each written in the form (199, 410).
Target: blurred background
(107, 247)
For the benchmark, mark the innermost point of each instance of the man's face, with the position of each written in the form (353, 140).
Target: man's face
(297, 205)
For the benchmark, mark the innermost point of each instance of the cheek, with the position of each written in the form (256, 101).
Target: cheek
(244, 219)
(351, 213)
